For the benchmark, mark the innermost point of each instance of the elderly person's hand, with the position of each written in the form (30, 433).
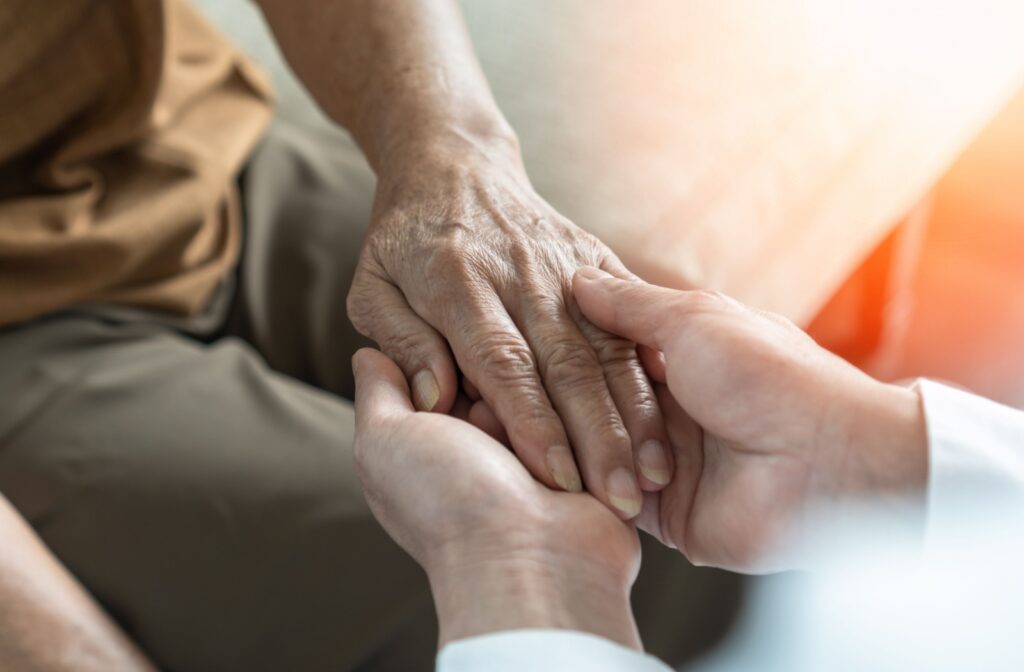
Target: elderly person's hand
(464, 261)
(764, 423)
(501, 550)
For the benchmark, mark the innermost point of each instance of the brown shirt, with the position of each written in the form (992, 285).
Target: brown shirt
(123, 124)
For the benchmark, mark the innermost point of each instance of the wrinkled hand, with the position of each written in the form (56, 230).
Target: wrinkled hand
(464, 259)
(501, 550)
(764, 423)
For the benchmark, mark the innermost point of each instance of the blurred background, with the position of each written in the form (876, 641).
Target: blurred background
(858, 167)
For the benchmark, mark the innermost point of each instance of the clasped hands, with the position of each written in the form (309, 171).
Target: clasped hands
(762, 425)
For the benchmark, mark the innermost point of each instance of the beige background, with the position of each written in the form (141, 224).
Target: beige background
(757, 147)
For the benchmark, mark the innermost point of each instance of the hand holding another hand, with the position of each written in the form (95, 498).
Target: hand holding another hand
(501, 550)
(464, 264)
(764, 423)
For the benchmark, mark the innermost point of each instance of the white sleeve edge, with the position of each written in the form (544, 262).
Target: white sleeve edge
(975, 458)
(543, 650)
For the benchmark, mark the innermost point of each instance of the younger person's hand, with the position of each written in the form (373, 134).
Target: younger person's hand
(764, 423)
(502, 551)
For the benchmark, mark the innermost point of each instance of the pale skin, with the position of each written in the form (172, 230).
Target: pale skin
(502, 550)
(764, 425)
(464, 267)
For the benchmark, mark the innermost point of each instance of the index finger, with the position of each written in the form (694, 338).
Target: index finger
(381, 390)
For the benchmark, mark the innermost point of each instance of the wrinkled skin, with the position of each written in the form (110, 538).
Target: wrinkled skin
(464, 264)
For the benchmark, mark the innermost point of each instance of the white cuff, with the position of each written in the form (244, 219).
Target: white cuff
(543, 651)
(976, 460)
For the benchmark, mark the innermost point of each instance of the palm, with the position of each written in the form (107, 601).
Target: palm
(452, 456)
(774, 425)
(744, 501)
(729, 501)
(746, 470)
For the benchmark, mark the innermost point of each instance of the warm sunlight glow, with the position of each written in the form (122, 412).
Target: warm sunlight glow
(756, 134)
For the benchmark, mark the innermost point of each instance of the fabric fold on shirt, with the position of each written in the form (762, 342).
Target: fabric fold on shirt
(124, 126)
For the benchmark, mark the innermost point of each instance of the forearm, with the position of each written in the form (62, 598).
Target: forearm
(47, 620)
(397, 74)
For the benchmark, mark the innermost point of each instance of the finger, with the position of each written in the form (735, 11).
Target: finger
(629, 380)
(491, 351)
(677, 500)
(649, 519)
(381, 390)
(481, 416)
(575, 382)
(634, 310)
(379, 311)
(633, 396)
(653, 362)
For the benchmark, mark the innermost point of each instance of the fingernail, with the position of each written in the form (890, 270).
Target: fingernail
(623, 492)
(425, 392)
(653, 462)
(591, 273)
(563, 469)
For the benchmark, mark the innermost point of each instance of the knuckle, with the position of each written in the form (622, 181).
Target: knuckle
(533, 410)
(406, 346)
(614, 353)
(543, 307)
(638, 401)
(508, 363)
(522, 251)
(645, 408)
(645, 413)
(504, 357)
(614, 435)
(570, 362)
(451, 259)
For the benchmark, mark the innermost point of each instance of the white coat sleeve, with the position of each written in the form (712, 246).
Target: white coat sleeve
(543, 651)
(975, 459)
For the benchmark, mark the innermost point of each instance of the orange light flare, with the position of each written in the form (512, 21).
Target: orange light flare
(764, 148)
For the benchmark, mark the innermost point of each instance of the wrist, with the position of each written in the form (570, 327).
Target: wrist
(478, 593)
(880, 451)
(438, 139)
(890, 436)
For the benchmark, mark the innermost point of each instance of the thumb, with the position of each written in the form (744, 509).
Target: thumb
(381, 390)
(635, 310)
